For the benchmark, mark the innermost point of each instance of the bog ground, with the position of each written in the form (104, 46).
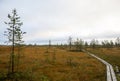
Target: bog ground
(40, 63)
(111, 55)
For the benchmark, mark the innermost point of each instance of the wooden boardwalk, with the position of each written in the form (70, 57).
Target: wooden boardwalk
(109, 69)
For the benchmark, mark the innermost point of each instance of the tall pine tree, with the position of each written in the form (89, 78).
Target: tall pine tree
(15, 35)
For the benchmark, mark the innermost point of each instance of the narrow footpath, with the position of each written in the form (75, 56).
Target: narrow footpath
(109, 69)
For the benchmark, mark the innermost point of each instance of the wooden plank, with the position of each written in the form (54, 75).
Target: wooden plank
(109, 69)
(109, 78)
(113, 73)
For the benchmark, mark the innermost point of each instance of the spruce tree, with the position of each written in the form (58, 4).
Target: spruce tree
(15, 36)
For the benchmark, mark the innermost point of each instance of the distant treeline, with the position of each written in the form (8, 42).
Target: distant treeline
(80, 44)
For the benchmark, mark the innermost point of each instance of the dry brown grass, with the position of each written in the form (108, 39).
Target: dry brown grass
(55, 64)
(111, 55)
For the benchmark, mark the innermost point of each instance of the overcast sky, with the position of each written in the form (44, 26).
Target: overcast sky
(56, 20)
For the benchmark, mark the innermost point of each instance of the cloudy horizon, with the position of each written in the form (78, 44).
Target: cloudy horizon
(56, 20)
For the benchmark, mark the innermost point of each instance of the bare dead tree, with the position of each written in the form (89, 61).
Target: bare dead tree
(70, 42)
(49, 43)
(117, 42)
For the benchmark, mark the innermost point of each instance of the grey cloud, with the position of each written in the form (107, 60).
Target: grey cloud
(79, 18)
